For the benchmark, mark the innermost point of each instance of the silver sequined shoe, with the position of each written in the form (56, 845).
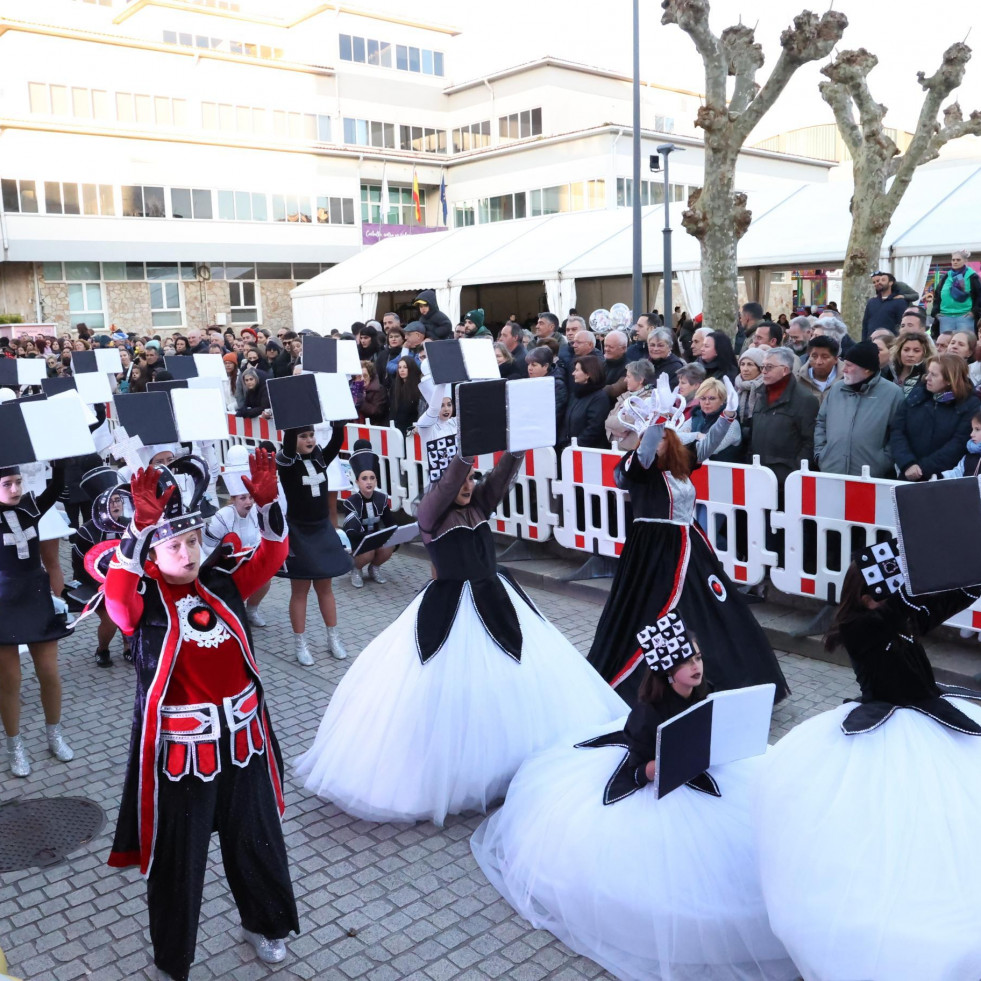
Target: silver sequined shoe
(268, 951)
(334, 644)
(357, 580)
(302, 652)
(20, 765)
(374, 574)
(57, 746)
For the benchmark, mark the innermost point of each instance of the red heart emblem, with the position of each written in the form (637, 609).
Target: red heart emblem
(202, 618)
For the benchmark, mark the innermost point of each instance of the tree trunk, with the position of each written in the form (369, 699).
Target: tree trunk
(718, 243)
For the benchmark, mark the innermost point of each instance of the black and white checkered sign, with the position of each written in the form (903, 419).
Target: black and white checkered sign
(666, 643)
(882, 569)
(439, 453)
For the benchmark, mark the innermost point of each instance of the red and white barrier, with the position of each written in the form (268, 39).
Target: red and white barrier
(389, 444)
(593, 516)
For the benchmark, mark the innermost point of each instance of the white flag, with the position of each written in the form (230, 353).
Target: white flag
(385, 204)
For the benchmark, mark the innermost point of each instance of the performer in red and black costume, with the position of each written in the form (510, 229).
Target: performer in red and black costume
(203, 756)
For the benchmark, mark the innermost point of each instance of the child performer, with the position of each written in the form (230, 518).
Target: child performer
(366, 511)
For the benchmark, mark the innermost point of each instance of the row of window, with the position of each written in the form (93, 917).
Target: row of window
(392, 136)
(153, 201)
(651, 192)
(383, 54)
(576, 196)
(160, 110)
(401, 207)
(152, 272)
(472, 137)
(251, 50)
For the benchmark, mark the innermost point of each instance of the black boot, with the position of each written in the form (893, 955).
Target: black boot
(103, 658)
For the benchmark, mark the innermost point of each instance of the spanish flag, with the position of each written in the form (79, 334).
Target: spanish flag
(415, 195)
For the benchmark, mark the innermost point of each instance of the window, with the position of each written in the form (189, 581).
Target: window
(472, 137)
(242, 299)
(464, 214)
(401, 210)
(651, 192)
(143, 202)
(165, 304)
(206, 43)
(290, 208)
(242, 206)
(368, 132)
(188, 202)
(19, 196)
(85, 305)
(335, 211)
(273, 270)
(664, 124)
(502, 207)
(61, 199)
(370, 51)
(520, 125)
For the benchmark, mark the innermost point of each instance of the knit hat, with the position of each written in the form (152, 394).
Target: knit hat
(476, 317)
(864, 354)
(754, 354)
(231, 358)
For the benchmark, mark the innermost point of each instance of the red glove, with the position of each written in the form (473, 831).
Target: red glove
(148, 508)
(262, 486)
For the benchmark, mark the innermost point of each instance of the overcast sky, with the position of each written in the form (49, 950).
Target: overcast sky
(907, 36)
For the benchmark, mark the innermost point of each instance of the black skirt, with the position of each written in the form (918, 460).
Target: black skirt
(315, 552)
(657, 573)
(27, 615)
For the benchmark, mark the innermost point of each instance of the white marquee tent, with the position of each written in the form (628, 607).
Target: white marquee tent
(800, 228)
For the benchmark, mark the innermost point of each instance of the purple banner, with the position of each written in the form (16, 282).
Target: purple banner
(371, 233)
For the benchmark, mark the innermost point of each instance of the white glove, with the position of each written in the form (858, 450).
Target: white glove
(732, 397)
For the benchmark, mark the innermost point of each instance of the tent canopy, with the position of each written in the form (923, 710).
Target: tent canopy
(794, 227)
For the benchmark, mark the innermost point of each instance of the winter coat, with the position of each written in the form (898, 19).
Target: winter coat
(730, 449)
(254, 402)
(585, 416)
(279, 367)
(807, 383)
(437, 324)
(931, 433)
(885, 313)
(853, 428)
(374, 407)
(669, 366)
(386, 362)
(782, 434)
(912, 379)
(624, 439)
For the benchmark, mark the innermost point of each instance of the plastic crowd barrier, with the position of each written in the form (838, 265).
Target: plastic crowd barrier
(594, 510)
(389, 444)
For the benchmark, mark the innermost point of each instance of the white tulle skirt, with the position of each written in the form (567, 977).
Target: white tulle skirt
(870, 855)
(404, 741)
(649, 889)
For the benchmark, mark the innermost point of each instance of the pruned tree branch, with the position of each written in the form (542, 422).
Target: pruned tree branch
(744, 57)
(692, 16)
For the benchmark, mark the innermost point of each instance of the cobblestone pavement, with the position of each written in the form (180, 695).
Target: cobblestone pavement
(377, 902)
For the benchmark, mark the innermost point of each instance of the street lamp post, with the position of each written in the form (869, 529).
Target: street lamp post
(638, 272)
(665, 150)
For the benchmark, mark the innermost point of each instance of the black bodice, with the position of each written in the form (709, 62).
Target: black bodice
(464, 553)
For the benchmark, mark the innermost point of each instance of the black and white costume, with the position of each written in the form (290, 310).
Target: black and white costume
(315, 550)
(439, 710)
(665, 889)
(867, 814)
(364, 515)
(29, 615)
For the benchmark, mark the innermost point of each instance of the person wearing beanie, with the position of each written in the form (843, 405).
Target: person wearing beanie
(474, 324)
(853, 423)
(822, 367)
(366, 511)
(278, 359)
(436, 325)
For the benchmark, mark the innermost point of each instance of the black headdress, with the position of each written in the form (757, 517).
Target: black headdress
(182, 515)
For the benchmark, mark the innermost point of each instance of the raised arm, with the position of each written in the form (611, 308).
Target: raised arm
(497, 484)
(441, 494)
(56, 485)
(331, 450)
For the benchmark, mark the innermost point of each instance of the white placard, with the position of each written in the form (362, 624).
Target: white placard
(479, 357)
(740, 722)
(531, 413)
(107, 360)
(348, 358)
(90, 417)
(204, 382)
(200, 414)
(30, 371)
(93, 386)
(209, 365)
(57, 428)
(336, 401)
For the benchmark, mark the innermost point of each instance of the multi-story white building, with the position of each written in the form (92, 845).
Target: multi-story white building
(182, 162)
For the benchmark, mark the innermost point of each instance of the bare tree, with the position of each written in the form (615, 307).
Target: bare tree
(716, 215)
(876, 158)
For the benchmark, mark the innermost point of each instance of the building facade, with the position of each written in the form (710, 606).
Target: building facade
(175, 163)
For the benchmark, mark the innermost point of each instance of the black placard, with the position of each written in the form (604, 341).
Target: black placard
(446, 362)
(57, 385)
(167, 385)
(319, 353)
(84, 362)
(8, 373)
(15, 447)
(294, 401)
(684, 748)
(482, 417)
(181, 366)
(148, 415)
(940, 554)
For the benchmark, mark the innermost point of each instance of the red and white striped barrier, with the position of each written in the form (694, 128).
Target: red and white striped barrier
(253, 431)
(594, 510)
(389, 444)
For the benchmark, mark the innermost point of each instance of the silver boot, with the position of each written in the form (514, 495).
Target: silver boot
(57, 746)
(302, 652)
(334, 644)
(268, 951)
(20, 765)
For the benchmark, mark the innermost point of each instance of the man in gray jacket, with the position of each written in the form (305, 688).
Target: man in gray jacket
(852, 428)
